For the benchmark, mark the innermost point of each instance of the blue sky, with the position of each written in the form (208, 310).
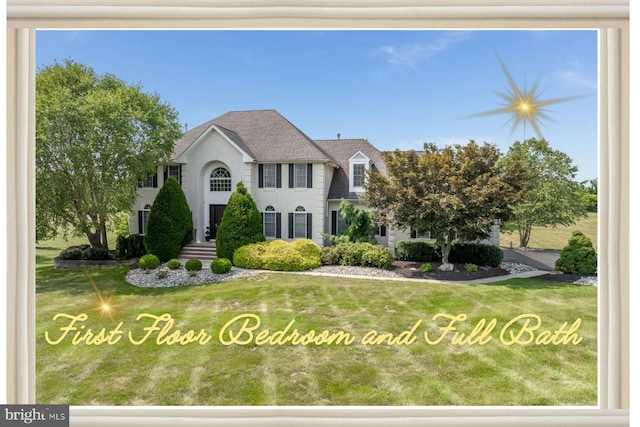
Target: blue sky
(398, 88)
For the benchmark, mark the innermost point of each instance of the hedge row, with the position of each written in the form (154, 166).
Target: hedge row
(364, 254)
(130, 247)
(85, 252)
(474, 253)
(278, 255)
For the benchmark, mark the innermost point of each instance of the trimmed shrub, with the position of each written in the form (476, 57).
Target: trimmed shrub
(220, 266)
(377, 256)
(96, 254)
(73, 252)
(148, 262)
(193, 265)
(416, 250)
(476, 253)
(174, 264)
(365, 254)
(278, 255)
(426, 268)
(241, 223)
(578, 257)
(131, 246)
(170, 225)
(471, 268)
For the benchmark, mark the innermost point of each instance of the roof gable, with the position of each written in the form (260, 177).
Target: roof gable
(265, 135)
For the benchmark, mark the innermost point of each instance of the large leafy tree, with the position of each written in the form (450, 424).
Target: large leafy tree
(454, 192)
(551, 196)
(96, 139)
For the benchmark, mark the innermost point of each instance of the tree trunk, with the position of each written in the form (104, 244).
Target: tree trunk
(95, 239)
(525, 234)
(446, 250)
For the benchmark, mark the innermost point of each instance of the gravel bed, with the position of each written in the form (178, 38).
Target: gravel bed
(587, 281)
(514, 268)
(180, 277)
(355, 271)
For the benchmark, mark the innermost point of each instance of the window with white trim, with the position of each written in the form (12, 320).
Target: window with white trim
(270, 175)
(269, 222)
(144, 218)
(220, 180)
(300, 223)
(358, 174)
(174, 171)
(358, 165)
(300, 176)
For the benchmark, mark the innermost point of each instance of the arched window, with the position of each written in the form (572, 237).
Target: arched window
(269, 222)
(220, 180)
(300, 223)
(144, 218)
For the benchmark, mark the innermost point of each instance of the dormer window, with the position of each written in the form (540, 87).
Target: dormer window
(358, 165)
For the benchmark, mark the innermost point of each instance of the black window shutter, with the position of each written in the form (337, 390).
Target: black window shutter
(166, 173)
(290, 175)
(140, 229)
(260, 175)
(279, 175)
(383, 230)
(309, 175)
(334, 223)
(414, 234)
(291, 225)
(155, 180)
(309, 226)
(262, 219)
(278, 225)
(180, 175)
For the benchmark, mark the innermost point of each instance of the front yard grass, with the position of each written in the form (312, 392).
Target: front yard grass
(214, 374)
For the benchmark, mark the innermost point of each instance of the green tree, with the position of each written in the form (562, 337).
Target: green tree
(579, 256)
(361, 226)
(551, 196)
(241, 223)
(454, 192)
(96, 139)
(170, 225)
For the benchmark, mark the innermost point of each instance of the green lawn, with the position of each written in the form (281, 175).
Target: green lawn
(555, 238)
(248, 374)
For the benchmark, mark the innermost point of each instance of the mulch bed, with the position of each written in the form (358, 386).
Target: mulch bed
(561, 277)
(411, 270)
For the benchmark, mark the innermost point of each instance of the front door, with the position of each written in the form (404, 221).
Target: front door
(215, 216)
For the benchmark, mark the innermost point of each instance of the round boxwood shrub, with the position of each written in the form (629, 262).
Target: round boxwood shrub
(241, 223)
(170, 225)
(416, 250)
(149, 262)
(220, 266)
(377, 256)
(476, 253)
(193, 265)
(174, 264)
(578, 257)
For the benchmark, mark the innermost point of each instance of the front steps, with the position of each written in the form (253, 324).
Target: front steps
(204, 251)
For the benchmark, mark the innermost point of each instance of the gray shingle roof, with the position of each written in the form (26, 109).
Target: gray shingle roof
(265, 135)
(341, 150)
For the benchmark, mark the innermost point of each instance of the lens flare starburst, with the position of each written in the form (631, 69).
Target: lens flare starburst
(524, 106)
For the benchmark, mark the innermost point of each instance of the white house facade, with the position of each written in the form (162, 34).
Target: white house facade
(296, 182)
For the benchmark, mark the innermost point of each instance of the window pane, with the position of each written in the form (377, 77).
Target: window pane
(300, 225)
(300, 176)
(220, 180)
(269, 224)
(174, 171)
(270, 176)
(358, 175)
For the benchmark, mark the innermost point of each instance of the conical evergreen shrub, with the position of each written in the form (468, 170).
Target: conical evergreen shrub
(241, 223)
(170, 223)
(578, 257)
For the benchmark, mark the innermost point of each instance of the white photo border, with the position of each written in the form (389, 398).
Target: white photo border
(611, 18)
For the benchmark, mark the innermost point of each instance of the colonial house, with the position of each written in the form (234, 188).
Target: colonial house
(296, 182)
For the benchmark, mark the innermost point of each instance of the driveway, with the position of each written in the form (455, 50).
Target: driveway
(544, 260)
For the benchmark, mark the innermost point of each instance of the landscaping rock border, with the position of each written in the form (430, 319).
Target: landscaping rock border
(59, 263)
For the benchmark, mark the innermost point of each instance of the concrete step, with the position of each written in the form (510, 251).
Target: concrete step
(201, 251)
